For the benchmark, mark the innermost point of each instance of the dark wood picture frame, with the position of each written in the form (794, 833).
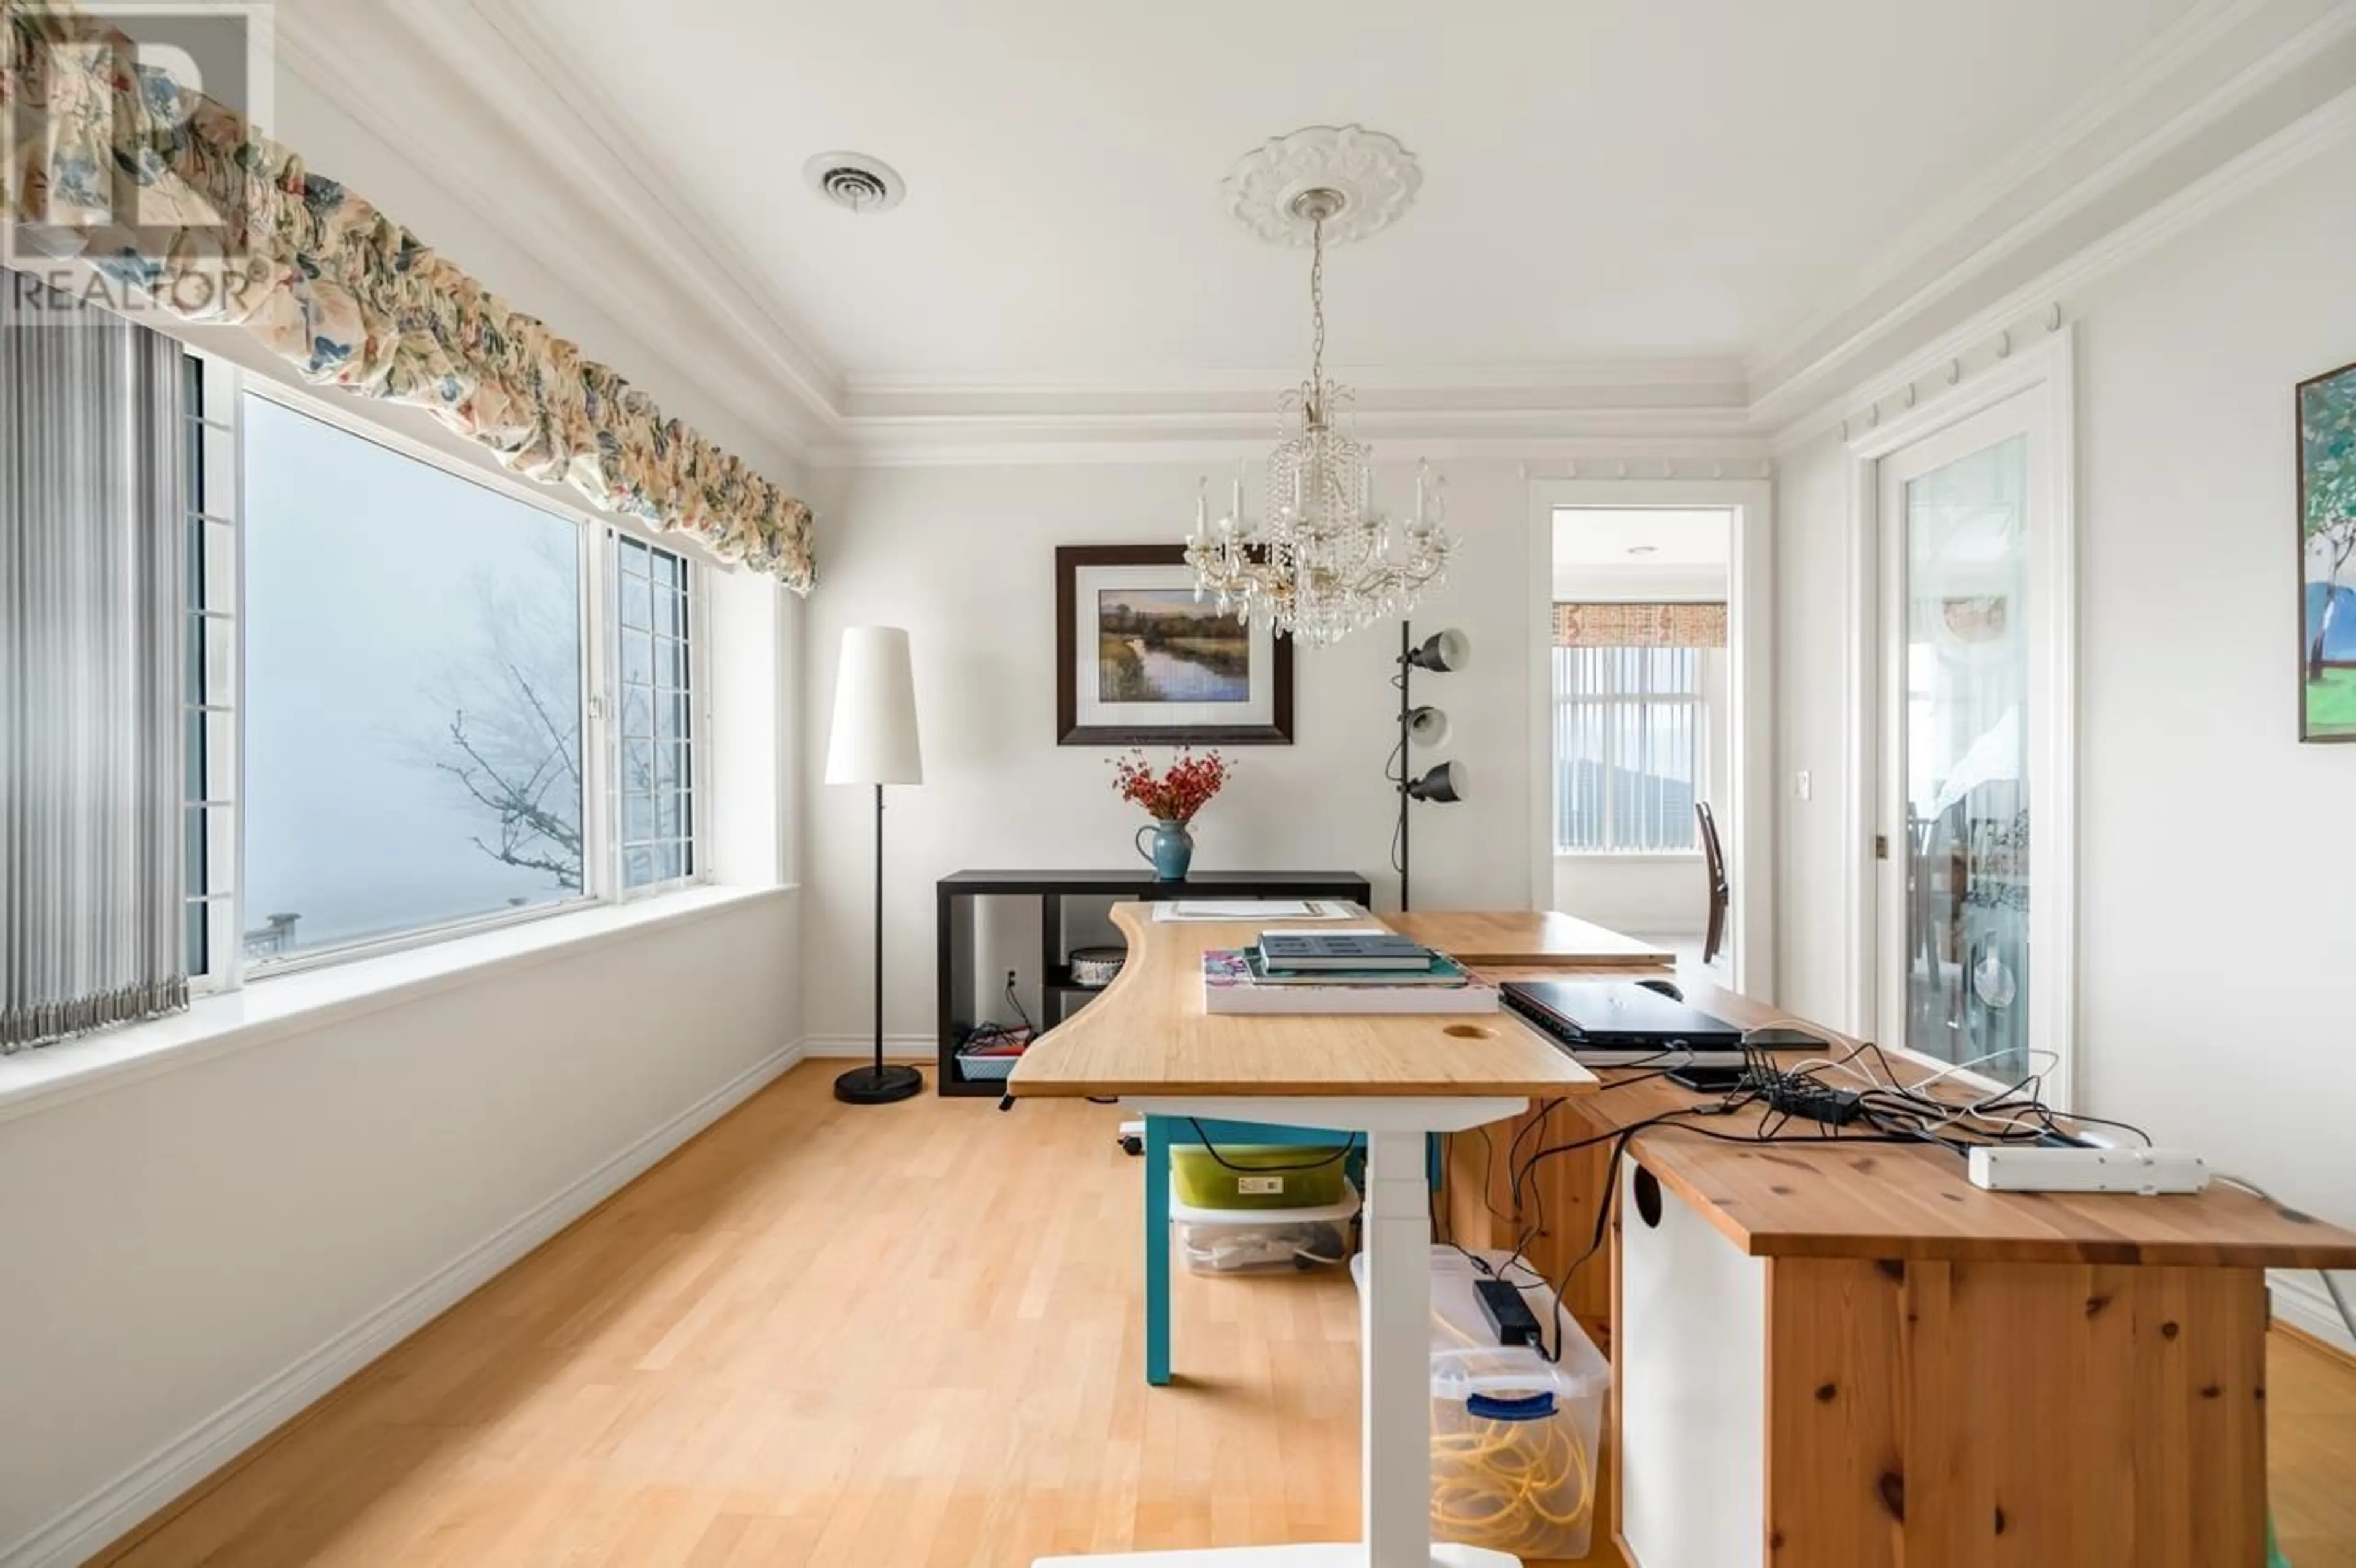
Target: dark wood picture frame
(2308, 734)
(1070, 732)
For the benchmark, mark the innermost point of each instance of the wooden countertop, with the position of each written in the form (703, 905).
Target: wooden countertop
(1785, 1199)
(1540, 938)
(1148, 1034)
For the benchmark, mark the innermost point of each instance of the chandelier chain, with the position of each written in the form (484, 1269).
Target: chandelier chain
(1317, 310)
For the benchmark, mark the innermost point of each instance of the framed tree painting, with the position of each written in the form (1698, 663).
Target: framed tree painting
(2327, 540)
(1139, 662)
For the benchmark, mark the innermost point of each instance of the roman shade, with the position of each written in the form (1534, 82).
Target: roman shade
(1640, 625)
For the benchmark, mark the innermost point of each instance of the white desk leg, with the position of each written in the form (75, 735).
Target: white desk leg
(1395, 1366)
(1394, 1325)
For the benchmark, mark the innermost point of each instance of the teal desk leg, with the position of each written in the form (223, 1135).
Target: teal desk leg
(1157, 1251)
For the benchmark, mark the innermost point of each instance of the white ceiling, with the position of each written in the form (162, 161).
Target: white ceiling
(1604, 179)
(1668, 535)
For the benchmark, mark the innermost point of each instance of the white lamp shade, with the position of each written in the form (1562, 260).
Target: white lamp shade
(874, 736)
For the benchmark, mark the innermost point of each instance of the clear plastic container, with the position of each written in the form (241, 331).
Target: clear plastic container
(1257, 1246)
(1255, 1241)
(1513, 1436)
(1258, 1176)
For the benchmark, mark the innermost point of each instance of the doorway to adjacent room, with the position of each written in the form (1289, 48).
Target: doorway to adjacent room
(1649, 740)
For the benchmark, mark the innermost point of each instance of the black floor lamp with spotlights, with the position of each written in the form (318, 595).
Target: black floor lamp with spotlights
(873, 741)
(1441, 654)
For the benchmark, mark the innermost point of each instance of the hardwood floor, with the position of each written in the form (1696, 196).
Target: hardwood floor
(900, 1335)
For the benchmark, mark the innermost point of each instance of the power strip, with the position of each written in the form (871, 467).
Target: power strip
(2147, 1171)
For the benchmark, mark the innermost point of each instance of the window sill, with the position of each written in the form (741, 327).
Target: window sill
(282, 1004)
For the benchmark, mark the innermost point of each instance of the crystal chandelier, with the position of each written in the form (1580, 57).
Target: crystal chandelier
(1322, 561)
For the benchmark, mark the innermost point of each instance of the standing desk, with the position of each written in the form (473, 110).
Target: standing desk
(1147, 1042)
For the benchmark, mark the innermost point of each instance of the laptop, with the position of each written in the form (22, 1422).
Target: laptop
(1619, 1023)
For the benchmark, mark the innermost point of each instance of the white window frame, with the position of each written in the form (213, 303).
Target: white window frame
(225, 387)
(1612, 703)
(605, 708)
(217, 508)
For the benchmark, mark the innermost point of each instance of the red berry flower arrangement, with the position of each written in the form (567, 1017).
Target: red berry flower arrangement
(1175, 795)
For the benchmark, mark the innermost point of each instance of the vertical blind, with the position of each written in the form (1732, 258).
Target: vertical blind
(92, 504)
(1628, 747)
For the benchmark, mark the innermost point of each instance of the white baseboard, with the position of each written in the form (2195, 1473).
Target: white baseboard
(115, 1508)
(920, 1047)
(2301, 1301)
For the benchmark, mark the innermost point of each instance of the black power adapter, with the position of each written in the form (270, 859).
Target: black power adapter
(1812, 1102)
(1508, 1313)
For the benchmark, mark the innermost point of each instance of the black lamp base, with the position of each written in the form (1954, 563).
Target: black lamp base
(878, 1085)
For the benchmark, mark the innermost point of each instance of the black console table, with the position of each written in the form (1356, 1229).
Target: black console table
(1056, 990)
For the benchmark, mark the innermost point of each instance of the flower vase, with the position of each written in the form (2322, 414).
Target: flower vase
(1173, 851)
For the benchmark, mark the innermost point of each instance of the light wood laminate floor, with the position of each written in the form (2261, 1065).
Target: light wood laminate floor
(872, 1336)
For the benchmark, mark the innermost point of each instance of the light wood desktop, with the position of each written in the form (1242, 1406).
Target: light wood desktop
(1528, 939)
(1832, 1356)
(1148, 1041)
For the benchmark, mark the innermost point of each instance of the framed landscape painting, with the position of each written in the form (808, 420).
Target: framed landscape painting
(2327, 556)
(1139, 662)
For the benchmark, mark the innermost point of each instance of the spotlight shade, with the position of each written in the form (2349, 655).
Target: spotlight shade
(1428, 727)
(1442, 651)
(1440, 787)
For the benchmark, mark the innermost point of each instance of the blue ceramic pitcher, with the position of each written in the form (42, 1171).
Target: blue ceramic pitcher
(1173, 849)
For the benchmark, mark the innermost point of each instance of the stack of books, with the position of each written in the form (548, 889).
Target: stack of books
(1339, 972)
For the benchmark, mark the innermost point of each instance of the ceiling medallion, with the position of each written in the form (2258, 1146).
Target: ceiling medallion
(1373, 175)
(1321, 562)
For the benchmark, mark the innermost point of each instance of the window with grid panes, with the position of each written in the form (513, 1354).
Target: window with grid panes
(655, 774)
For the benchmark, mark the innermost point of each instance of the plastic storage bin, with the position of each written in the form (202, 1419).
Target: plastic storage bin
(1258, 1176)
(1513, 1436)
(1251, 1240)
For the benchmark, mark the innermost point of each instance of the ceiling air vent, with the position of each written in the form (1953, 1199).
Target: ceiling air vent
(856, 181)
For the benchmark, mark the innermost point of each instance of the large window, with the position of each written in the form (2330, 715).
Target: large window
(422, 701)
(1630, 747)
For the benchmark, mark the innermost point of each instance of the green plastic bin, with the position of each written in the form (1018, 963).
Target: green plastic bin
(1259, 1176)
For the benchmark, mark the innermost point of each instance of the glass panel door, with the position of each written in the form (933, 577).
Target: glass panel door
(1965, 849)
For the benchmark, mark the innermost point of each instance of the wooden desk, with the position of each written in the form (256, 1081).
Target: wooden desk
(1543, 939)
(1395, 1079)
(1864, 1361)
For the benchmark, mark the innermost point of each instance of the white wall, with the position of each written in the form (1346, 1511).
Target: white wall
(191, 1257)
(965, 558)
(2215, 924)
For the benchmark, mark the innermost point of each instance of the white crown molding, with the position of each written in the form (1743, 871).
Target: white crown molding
(2198, 30)
(2108, 159)
(1723, 373)
(1991, 335)
(452, 106)
(2180, 119)
(750, 303)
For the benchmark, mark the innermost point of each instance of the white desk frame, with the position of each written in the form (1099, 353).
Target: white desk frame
(1395, 1328)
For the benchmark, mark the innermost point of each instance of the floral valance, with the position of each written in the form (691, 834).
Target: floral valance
(1640, 625)
(166, 191)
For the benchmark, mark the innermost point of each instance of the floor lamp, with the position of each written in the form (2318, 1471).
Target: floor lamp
(873, 741)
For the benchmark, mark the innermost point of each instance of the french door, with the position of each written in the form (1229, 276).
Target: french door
(1974, 838)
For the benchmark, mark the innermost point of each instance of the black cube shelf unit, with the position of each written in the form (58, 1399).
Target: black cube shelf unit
(957, 892)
